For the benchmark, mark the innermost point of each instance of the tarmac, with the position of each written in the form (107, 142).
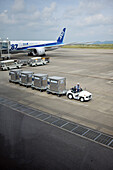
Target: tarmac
(92, 68)
(28, 143)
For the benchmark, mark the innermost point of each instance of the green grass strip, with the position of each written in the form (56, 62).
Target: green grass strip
(90, 46)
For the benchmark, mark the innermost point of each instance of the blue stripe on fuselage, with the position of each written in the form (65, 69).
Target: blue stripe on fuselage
(39, 45)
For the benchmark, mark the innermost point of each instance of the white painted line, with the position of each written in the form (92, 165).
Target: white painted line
(75, 128)
(47, 118)
(85, 132)
(64, 124)
(110, 142)
(39, 115)
(55, 121)
(97, 136)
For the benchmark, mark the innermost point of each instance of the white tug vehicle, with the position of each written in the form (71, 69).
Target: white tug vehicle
(82, 95)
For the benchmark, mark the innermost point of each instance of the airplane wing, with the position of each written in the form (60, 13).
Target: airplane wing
(50, 48)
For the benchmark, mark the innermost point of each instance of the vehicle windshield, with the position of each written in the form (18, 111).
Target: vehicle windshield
(39, 60)
(9, 63)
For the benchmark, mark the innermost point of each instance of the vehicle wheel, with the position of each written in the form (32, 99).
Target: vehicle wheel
(59, 95)
(32, 88)
(82, 99)
(48, 92)
(70, 96)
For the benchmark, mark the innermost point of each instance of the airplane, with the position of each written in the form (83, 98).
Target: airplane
(35, 48)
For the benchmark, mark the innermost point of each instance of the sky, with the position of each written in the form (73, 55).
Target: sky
(85, 20)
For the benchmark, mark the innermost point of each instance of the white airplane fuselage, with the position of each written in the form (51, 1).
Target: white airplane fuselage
(36, 47)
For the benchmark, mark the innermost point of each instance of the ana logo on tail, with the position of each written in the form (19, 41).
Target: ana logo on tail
(61, 37)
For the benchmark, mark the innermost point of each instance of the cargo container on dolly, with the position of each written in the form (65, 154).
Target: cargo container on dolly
(15, 75)
(57, 85)
(26, 78)
(39, 81)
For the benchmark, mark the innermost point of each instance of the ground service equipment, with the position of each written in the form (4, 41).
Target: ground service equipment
(39, 81)
(82, 95)
(36, 61)
(57, 85)
(46, 59)
(26, 78)
(15, 75)
(10, 64)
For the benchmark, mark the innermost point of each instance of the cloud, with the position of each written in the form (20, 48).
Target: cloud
(18, 5)
(83, 18)
(95, 20)
(83, 8)
(45, 17)
(91, 7)
(98, 19)
(5, 19)
(48, 11)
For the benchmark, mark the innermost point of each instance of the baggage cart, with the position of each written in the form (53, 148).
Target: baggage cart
(39, 81)
(57, 85)
(10, 64)
(36, 61)
(15, 75)
(26, 78)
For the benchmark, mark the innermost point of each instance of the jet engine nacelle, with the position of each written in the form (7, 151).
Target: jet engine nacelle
(39, 51)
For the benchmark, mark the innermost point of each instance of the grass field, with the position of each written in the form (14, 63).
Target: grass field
(90, 46)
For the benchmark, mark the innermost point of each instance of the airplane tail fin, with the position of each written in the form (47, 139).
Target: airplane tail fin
(61, 37)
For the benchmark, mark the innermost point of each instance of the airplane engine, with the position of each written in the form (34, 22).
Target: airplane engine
(39, 51)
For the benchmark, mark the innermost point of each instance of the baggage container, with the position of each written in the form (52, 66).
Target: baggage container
(26, 78)
(57, 85)
(39, 81)
(15, 75)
